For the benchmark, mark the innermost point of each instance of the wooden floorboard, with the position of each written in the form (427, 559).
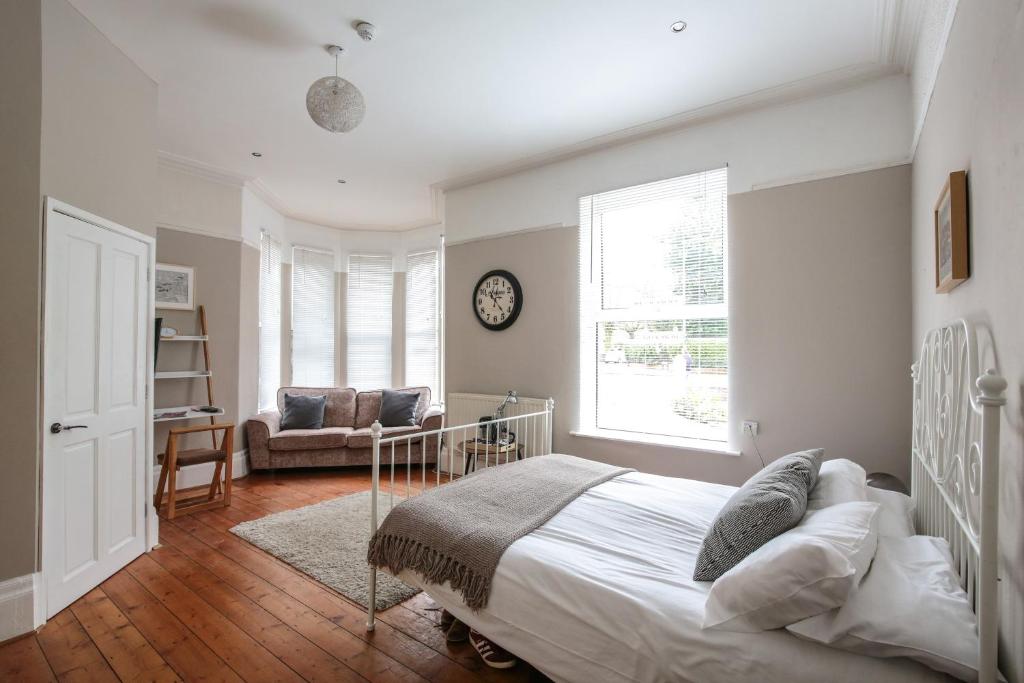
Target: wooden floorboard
(208, 606)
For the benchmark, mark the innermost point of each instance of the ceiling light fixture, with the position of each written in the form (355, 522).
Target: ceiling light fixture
(333, 103)
(257, 154)
(678, 27)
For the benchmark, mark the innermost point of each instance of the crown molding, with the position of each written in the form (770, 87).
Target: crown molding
(897, 28)
(814, 86)
(200, 169)
(268, 196)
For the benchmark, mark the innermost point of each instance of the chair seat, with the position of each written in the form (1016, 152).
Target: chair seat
(196, 456)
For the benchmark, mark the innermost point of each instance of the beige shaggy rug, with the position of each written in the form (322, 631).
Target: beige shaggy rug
(328, 542)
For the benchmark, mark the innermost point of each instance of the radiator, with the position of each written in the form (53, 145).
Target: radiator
(467, 409)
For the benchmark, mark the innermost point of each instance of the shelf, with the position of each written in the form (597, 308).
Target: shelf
(182, 374)
(190, 413)
(186, 337)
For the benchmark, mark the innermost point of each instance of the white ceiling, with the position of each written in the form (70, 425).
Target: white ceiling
(454, 88)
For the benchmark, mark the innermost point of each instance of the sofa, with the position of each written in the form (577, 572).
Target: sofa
(345, 438)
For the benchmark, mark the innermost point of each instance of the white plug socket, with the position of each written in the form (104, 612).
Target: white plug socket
(750, 427)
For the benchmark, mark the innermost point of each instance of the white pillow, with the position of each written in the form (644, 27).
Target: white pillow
(802, 572)
(896, 516)
(839, 481)
(909, 605)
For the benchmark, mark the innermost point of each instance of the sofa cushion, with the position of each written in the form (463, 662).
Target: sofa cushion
(309, 439)
(398, 408)
(303, 412)
(340, 410)
(363, 438)
(368, 405)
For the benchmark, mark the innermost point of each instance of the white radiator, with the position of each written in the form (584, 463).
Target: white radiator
(467, 409)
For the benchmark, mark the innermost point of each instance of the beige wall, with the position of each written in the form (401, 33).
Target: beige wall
(20, 220)
(818, 300)
(79, 124)
(976, 122)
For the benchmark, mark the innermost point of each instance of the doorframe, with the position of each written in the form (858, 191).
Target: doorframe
(51, 206)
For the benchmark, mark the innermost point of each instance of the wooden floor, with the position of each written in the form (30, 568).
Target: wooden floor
(207, 606)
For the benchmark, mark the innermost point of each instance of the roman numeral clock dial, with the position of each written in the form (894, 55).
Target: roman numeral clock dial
(497, 299)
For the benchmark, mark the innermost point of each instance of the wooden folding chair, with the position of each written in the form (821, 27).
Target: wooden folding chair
(172, 460)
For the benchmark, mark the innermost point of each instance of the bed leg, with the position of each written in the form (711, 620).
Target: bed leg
(371, 610)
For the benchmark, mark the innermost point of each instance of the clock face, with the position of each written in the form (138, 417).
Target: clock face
(497, 299)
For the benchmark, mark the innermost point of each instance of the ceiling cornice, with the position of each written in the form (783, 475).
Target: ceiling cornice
(200, 169)
(897, 27)
(814, 86)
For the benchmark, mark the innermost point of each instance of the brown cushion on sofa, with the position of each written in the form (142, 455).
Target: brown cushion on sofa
(340, 409)
(368, 405)
(307, 439)
(363, 438)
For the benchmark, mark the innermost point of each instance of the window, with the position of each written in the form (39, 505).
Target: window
(370, 286)
(270, 322)
(422, 367)
(312, 318)
(654, 327)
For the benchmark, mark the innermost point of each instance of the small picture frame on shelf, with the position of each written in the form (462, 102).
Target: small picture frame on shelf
(175, 287)
(952, 265)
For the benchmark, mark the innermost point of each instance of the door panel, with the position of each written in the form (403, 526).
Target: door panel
(96, 321)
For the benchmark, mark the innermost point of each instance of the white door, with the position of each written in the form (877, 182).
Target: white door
(96, 318)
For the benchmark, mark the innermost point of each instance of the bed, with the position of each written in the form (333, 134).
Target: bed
(602, 591)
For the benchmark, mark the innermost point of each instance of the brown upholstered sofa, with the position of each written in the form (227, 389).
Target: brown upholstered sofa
(345, 438)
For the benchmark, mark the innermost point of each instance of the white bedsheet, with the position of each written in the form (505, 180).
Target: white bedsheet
(603, 592)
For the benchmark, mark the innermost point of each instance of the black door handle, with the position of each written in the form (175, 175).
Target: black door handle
(57, 427)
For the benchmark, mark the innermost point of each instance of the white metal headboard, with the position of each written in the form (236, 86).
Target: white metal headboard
(955, 467)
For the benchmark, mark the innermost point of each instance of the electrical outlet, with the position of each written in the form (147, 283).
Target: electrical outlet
(750, 427)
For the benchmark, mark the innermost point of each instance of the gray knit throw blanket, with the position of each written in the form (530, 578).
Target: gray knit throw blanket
(457, 533)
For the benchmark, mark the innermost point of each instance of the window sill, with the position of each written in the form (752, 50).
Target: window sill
(679, 443)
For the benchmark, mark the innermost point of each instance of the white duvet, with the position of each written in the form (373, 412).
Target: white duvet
(603, 592)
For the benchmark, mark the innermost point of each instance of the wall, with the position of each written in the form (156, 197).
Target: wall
(976, 122)
(818, 285)
(856, 129)
(20, 221)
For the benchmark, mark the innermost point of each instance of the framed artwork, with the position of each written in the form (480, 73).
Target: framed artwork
(951, 254)
(175, 287)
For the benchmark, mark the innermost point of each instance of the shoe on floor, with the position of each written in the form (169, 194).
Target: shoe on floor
(457, 632)
(493, 654)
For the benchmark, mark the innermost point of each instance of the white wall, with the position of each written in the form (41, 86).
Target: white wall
(976, 122)
(865, 127)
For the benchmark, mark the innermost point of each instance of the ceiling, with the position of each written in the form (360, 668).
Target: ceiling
(457, 88)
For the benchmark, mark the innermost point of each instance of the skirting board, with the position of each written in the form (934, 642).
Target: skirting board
(18, 614)
(201, 475)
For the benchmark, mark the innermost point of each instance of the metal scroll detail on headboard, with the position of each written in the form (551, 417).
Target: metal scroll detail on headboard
(955, 466)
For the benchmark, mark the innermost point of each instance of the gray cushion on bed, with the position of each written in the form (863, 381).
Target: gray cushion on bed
(770, 502)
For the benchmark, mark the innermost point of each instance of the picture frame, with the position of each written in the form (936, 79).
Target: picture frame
(175, 287)
(952, 263)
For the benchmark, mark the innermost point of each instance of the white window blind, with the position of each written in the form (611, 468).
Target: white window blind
(421, 322)
(370, 286)
(654, 327)
(270, 321)
(312, 318)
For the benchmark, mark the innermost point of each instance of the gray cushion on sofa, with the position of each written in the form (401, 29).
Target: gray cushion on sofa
(770, 502)
(303, 412)
(397, 408)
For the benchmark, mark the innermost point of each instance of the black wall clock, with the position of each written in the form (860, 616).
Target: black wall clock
(497, 299)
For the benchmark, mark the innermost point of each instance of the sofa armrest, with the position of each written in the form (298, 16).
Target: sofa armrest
(432, 419)
(259, 429)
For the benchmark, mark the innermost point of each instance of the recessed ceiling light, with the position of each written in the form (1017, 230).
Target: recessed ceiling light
(257, 154)
(678, 27)
(342, 181)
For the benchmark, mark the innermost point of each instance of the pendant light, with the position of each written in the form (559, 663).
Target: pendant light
(333, 103)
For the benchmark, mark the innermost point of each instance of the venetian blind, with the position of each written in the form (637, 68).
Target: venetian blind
(270, 321)
(654, 322)
(370, 287)
(312, 318)
(421, 322)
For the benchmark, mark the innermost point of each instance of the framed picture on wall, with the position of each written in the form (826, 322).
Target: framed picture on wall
(175, 287)
(951, 254)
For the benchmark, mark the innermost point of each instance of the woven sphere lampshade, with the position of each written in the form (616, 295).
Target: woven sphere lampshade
(335, 104)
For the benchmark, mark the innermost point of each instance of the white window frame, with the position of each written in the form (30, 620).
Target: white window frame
(267, 240)
(351, 363)
(591, 314)
(333, 301)
(435, 383)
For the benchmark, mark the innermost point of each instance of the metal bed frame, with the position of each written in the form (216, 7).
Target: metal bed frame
(531, 431)
(954, 467)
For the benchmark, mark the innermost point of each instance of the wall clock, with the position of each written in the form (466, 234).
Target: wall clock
(497, 299)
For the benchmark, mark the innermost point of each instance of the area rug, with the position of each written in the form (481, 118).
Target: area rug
(328, 542)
